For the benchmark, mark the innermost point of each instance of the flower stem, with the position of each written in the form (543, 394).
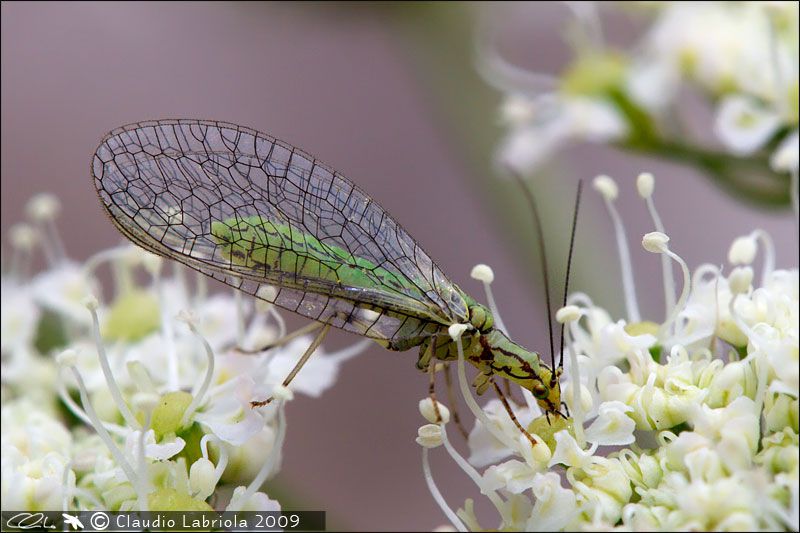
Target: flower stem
(747, 178)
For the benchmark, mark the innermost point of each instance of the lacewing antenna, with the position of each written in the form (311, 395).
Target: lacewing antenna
(569, 261)
(537, 225)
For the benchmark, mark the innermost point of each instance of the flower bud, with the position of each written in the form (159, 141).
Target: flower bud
(482, 273)
(429, 436)
(202, 478)
(743, 251)
(168, 413)
(655, 242)
(645, 184)
(43, 207)
(133, 315)
(428, 411)
(68, 357)
(568, 313)
(23, 236)
(740, 280)
(541, 453)
(169, 499)
(187, 317)
(91, 303)
(606, 186)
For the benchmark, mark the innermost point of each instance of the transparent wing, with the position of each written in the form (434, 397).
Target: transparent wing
(164, 183)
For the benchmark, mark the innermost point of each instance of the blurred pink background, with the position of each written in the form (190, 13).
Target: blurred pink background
(344, 84)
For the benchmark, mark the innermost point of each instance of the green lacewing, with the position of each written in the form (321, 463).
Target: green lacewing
(255, 212)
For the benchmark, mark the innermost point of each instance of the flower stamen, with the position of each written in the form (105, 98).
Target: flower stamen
(656, 242)
(200, 393)
(92, 305)
(437, 495)
(468, 469)
(222, 461)
(609, 191)
(43, 209)
(67, 359)
(569, 315)
(23, 239)
(645, 184)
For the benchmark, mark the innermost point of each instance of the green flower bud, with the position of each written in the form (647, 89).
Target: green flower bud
(595, 74)
(164, 499)
(133, 316)
(168, 413)
(547, 429)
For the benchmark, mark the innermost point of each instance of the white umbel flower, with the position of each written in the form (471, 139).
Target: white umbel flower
(669, 418)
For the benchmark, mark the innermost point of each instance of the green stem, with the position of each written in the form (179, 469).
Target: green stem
(748, 178)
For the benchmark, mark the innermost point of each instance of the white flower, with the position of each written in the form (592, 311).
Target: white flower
(62, 290)
(34, 484)
(31, 430)
(553, 121)
(228, 414)
(218, 320)
(602, 488)
(712, 391)
(612, 427)
(740, 57)
(245, 460)
(19, 317)
(569, 453)
(734, 429)
(153, 450)
(644, 76)
(259, 502)
(743, 125)
(785, 157)
(555, 506)
(514, 476)
(722, 46)
(608, 342)
(484, 447)
(35, 448)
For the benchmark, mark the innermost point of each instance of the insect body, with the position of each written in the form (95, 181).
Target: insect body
(252, 211)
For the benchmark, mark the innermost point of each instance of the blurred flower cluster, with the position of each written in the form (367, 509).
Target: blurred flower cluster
(140, 401)
(734, 62)
(685, 422)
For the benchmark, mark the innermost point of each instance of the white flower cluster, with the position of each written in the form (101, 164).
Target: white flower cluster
(687, 423)
(742, 57)
(137, 404)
